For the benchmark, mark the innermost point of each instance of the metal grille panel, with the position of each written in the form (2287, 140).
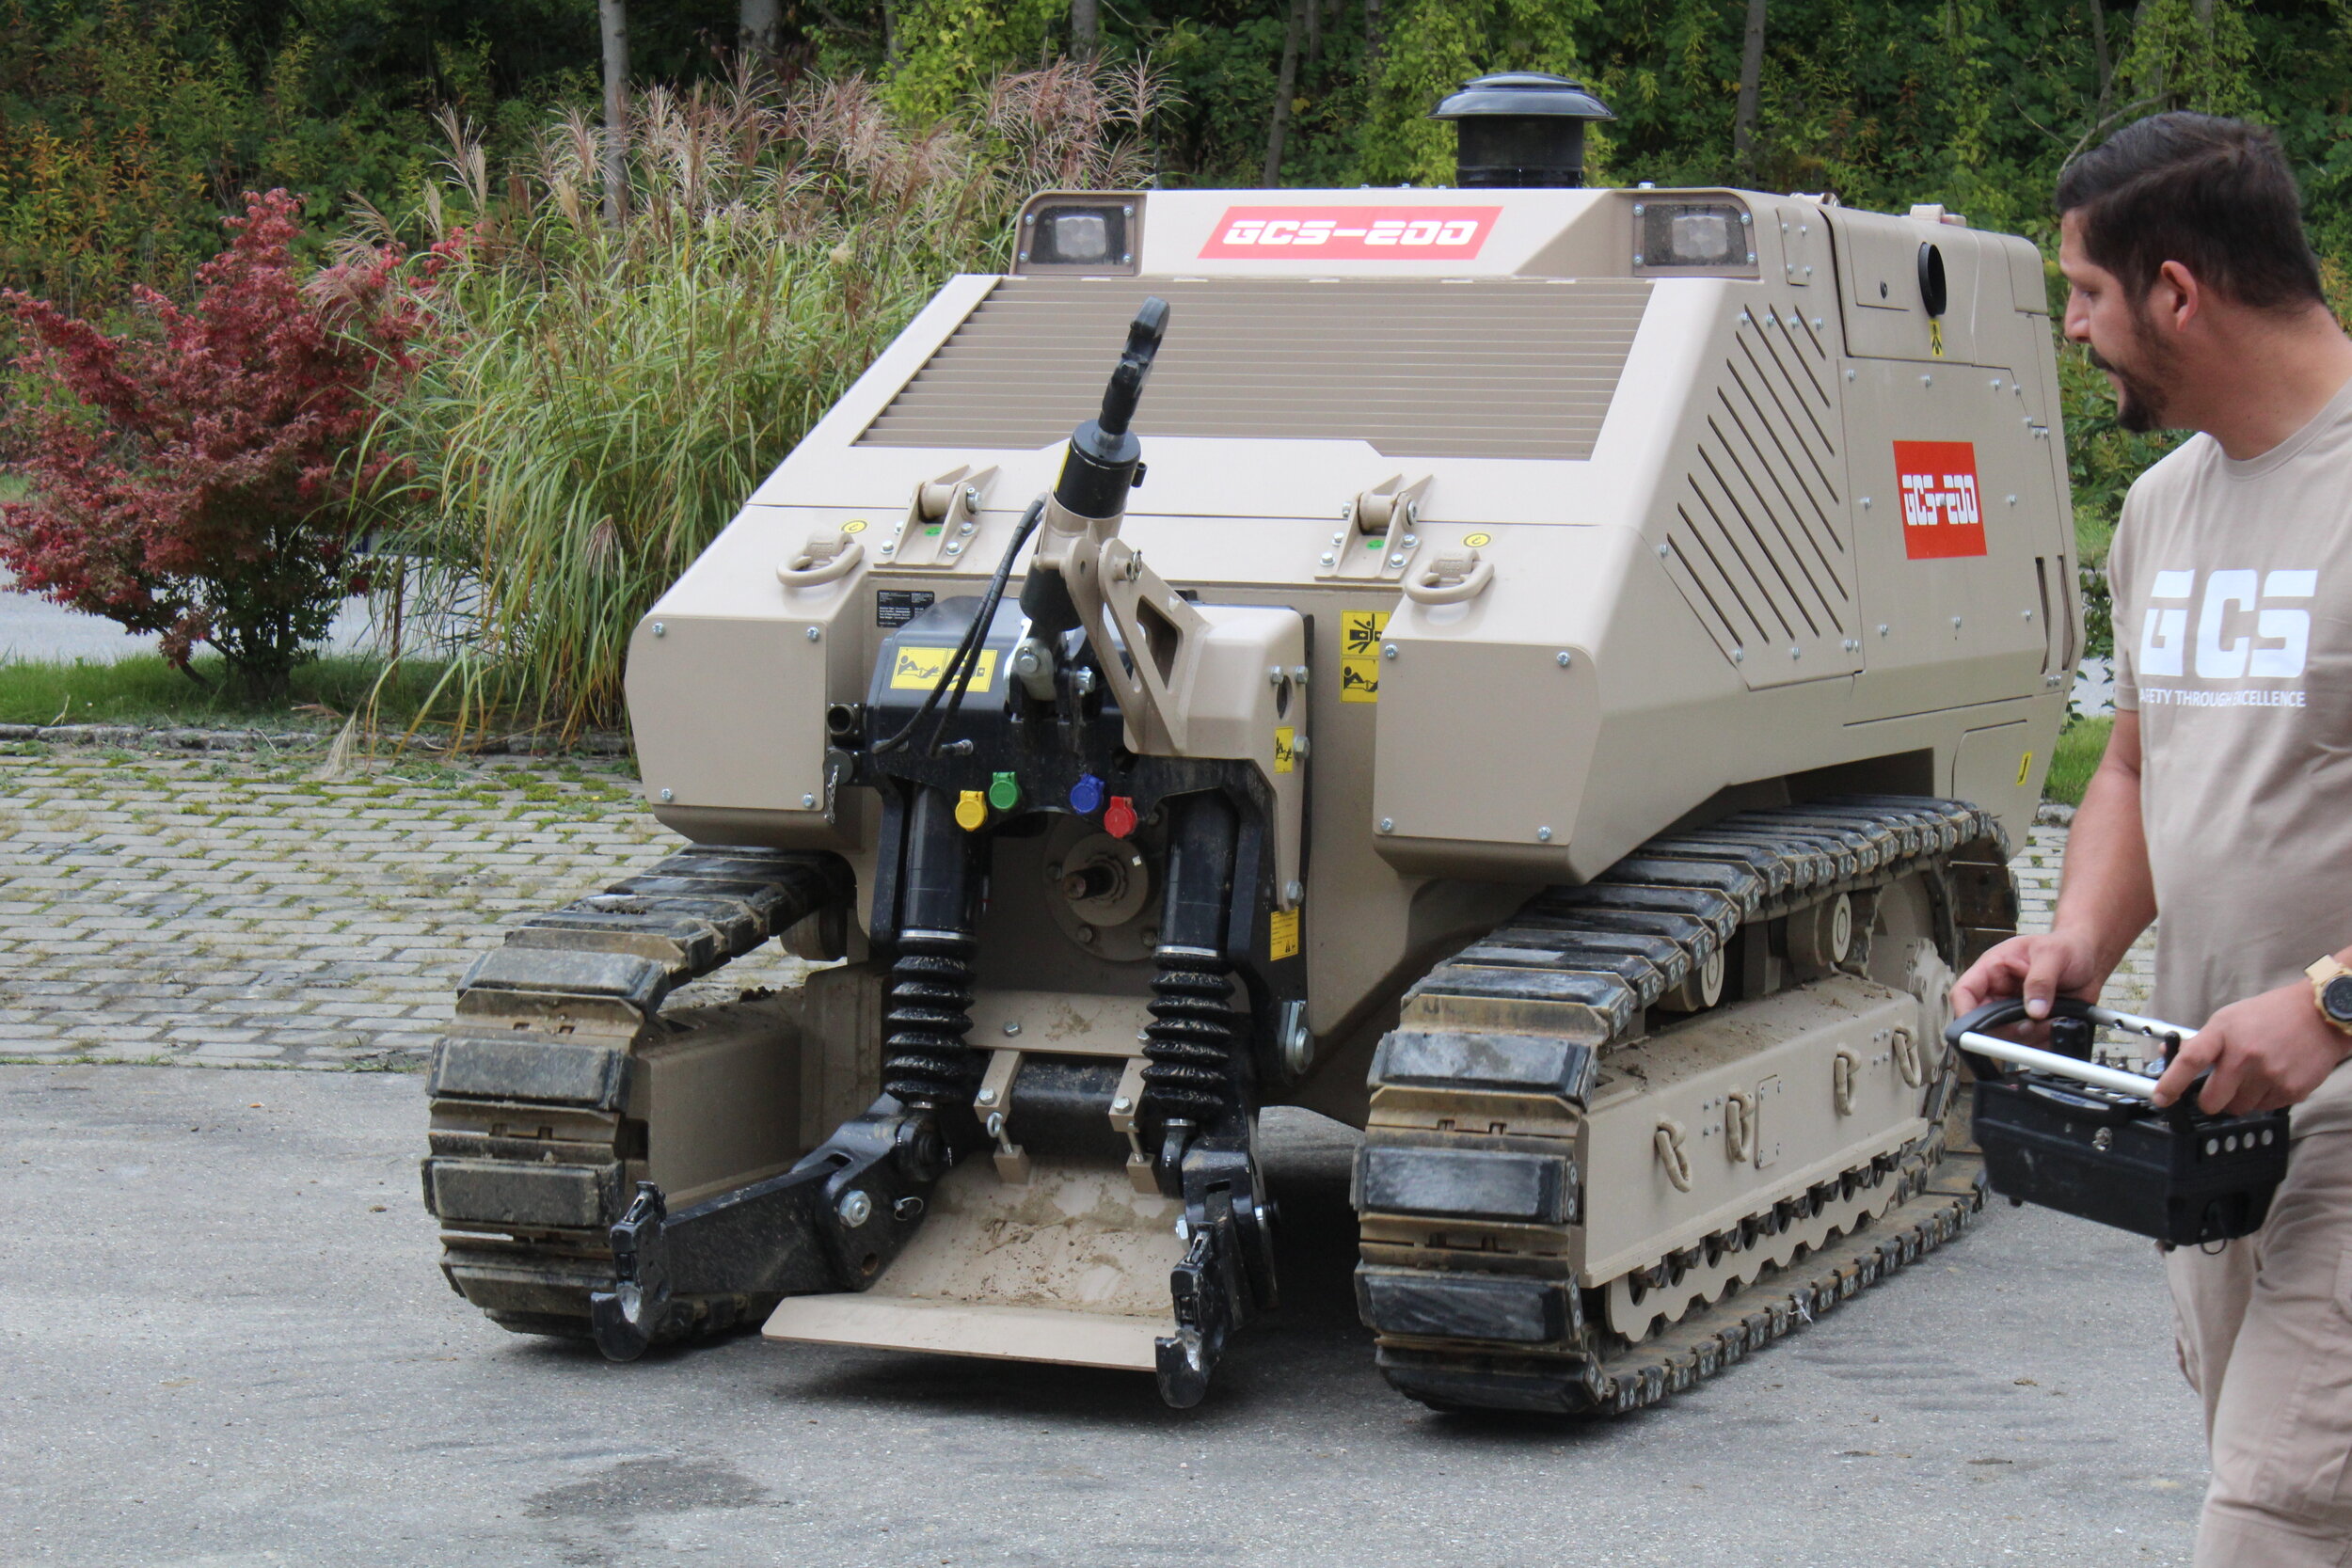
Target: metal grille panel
(1490, 367)
(1761, 542)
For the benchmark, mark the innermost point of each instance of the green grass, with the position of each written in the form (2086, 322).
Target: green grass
(2080, 746)
(143, 689)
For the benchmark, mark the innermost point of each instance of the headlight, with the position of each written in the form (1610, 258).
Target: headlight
(1065, 234)
(1690, 238)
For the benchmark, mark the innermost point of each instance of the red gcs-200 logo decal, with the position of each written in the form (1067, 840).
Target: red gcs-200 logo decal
(1351, 234)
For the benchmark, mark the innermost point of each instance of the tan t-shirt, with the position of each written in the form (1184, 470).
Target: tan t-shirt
(2233, 641)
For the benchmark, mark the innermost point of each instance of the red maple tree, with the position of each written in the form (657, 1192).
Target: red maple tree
(206, 479)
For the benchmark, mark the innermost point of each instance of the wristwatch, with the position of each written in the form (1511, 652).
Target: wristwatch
(2331, 989)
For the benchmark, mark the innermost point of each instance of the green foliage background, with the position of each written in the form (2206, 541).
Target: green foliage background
(129, 127)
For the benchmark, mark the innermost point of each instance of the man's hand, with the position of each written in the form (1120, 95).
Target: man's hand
(2036, 968)
(2266, 1052)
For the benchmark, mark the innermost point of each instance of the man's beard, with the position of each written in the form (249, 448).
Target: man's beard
(2139, 398)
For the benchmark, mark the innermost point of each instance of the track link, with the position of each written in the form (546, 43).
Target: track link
(1472, 1184)
(538, 1133)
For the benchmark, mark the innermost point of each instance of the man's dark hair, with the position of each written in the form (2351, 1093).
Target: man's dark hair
(2214, 195)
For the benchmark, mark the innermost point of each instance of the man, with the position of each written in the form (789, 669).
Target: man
(2225, 798)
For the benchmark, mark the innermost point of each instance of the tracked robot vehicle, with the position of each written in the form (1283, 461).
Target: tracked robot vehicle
(1559, 698)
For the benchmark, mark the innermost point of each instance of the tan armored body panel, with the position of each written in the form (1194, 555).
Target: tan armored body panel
(1543, 675)
(1685, 482)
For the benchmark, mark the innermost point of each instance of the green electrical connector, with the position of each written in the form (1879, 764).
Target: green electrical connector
(1004, 792)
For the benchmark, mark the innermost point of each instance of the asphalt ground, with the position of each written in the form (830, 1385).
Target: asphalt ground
(223, 1342)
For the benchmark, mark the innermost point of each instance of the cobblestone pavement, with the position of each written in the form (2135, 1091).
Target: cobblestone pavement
(241, 909)
(2037, 867)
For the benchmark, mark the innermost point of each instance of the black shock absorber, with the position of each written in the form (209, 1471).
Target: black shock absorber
(1195, 1046)
(926, 1064)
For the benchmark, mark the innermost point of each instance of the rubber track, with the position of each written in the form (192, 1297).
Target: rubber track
(1611, 948)
(546, 1027)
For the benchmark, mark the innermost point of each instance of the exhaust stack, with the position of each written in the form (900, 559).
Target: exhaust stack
(1521, 128)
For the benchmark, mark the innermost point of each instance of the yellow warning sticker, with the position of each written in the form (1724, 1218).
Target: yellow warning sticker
(2024, 766)
(1477, 540)
(1285, 750)
(855, 524)
(1282, 934)
(1935, 337)
(1359, 654)
(919, 669)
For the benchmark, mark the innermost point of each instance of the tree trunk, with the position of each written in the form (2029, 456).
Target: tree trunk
(616, 13)
(1314, 31)
(1286, 82)
(1751, 85)
(890, 31)
(2106, 62)
(2157, 88)
(759, 27)
(1086, 27)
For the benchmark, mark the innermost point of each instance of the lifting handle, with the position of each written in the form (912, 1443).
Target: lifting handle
(1966, 1033)
(1449, 579)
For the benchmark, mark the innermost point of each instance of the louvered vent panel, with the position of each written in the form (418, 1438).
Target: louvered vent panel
(1495, 368)
(1759, 534)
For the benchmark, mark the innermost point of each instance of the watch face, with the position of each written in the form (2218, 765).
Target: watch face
(2336, 998)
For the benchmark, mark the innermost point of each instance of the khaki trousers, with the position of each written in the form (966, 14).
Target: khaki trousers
(2264, 1327)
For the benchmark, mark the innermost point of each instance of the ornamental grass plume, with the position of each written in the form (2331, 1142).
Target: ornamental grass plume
(602, 400)
(201, 478)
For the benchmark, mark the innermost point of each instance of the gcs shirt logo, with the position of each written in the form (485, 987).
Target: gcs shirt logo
(2273, 645)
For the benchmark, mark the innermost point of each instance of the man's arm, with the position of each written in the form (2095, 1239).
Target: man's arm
(2106, 899)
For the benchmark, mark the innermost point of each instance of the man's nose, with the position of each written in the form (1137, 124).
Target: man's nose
(2077, 321)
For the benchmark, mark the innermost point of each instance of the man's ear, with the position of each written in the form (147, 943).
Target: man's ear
(2175, 298)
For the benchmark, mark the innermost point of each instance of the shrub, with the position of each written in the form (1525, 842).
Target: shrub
(198, 480)
(605, 400)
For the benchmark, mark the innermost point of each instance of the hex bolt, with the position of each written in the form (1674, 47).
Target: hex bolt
(955, 549)
(666, 795)
(808, 802)
(988, 1096)
(1543, 835)
(855, 1208)
(2030, 615)
(814, 634)
(1795, 652)
(1299, 747)
(1927, 381)
(1299, 673)
(1274, 674)
(1388, 824)
(1564, 658)
(661, 631)
(1327, 558)
(890, 548)
(2012, 500)
(1396, 560)
(972, 497)
(1411, 539)
(1293, 891)
(1881, 629)
(1123, 1105)
(1388, 650)
(1866, 504)
(1664, 551)
(1012, 1028)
